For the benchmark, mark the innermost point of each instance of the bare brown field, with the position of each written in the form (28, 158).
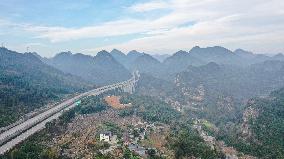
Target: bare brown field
(114, 102)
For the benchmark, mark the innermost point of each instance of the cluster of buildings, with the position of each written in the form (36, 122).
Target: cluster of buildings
(132, 138)
(87, 134)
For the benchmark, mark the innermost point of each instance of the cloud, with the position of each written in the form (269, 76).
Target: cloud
(189, 22)
(143, 7)
(34, 44)
(108, 29)
(254, 25)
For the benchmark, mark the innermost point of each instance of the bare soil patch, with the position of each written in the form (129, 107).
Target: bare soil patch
(114, 102)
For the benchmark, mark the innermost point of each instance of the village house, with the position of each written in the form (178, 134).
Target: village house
(105, 136)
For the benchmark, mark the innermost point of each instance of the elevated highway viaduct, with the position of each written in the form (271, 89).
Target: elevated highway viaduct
(20, 132)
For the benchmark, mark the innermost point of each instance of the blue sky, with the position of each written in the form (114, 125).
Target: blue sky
(152, 26)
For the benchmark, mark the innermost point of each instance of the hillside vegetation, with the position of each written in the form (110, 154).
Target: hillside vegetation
(260, 132)
(27, 83)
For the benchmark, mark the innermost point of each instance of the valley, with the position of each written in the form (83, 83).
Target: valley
(206, 103)
(141, 79)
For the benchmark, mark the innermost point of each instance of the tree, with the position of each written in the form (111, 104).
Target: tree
(127, 154)
(151, 152)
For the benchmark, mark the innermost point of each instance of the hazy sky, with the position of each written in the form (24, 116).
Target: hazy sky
(152, 26)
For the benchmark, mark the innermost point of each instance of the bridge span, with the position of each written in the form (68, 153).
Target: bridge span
(20, 132)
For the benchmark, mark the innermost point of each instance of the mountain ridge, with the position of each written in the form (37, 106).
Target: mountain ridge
(100, 69)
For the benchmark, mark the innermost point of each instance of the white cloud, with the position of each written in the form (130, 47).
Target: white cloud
(249, 24)
(228, 23)
(34, 44)
(143, 7)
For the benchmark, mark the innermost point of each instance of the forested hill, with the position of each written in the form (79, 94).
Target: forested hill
(27, 83)
(268, 125)
(240, 82)
(261, 130)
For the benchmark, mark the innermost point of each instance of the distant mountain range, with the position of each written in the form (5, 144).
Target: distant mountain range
(109, 67)
(201, 56)
(101, 69)
(181, 60)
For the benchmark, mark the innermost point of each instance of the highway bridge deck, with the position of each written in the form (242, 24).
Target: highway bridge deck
(20, 132)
